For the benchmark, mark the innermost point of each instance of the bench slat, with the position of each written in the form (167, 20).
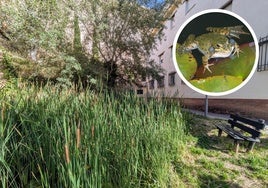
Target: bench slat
(257, 124)
(227, 129)
(245, 125)
(253, 132)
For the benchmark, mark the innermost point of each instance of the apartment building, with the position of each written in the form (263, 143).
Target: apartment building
(252, 95)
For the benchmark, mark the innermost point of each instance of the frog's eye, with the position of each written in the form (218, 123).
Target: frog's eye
(211, 49)
(232, 41)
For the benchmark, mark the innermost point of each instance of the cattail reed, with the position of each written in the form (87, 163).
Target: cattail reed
(129, 145)
(41, 154)
(92, 131)
(3, 112)
(67, 156)
(78, 136)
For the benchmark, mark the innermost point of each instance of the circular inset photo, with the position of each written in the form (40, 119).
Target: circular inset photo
(215, 52)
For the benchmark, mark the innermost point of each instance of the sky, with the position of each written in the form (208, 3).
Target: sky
(152, 3)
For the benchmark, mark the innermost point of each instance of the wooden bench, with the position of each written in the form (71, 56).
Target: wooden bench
(242, 129)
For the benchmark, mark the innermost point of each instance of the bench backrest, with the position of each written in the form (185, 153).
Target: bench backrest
(259, 125)
(250, 126)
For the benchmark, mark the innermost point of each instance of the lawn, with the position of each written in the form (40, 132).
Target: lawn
(210, 161)
(53, 137)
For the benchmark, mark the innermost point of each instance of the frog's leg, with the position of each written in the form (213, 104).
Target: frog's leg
(236, 49)
(206, 64)
(233, 31)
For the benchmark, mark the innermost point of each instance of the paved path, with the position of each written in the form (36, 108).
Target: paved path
(210, 114)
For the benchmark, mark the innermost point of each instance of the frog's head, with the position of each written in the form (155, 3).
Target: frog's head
(223, 50)
(190, 43)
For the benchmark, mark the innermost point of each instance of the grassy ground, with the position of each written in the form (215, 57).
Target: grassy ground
(51, 137)
(210, 161)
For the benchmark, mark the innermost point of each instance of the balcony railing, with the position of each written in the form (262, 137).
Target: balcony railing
(263, 57)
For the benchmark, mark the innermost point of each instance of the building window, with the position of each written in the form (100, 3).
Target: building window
(160, 58)
(161, 82)
(263, 57)
(139, 91)
(171, 79)
(151, 84)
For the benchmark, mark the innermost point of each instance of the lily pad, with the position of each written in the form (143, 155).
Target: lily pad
(217, 83)
(235, 66)
(187, 64)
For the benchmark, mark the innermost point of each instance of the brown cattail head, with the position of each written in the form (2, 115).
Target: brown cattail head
(3, 112)
(67, 156)
(92, 131)
(78, 137)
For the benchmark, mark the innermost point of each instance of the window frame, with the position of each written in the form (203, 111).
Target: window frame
(161, 82)
(139, 91)
(172, 79)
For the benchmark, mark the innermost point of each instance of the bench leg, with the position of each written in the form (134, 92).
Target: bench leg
(219, 133)
(250, 146)
(236, 143)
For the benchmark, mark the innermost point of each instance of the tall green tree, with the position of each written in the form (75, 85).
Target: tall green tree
(122, 37)
(41, 31)
(115, 35)
(35, 24)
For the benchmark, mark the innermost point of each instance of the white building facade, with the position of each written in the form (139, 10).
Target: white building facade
(171, 86)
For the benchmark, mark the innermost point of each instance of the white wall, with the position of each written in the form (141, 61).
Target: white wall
(254, 12)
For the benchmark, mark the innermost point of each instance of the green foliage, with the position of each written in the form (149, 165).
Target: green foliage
(112, 140)
(68, 73)
(8, 68)
(122, 37)
(77, 36)
(111, 33)
(35, 24)
(124, 142)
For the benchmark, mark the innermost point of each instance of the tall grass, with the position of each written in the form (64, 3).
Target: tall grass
(60, 138)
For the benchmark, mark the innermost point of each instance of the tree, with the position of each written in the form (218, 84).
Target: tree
(115, 35)
(39, 30)
(35, 24)
(121, 37)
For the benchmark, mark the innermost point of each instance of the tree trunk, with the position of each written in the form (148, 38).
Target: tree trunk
(112, 75)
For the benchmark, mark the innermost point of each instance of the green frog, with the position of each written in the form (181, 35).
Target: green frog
(216, 44)
(211, 45)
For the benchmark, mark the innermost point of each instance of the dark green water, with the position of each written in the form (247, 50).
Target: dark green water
(198, 26)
